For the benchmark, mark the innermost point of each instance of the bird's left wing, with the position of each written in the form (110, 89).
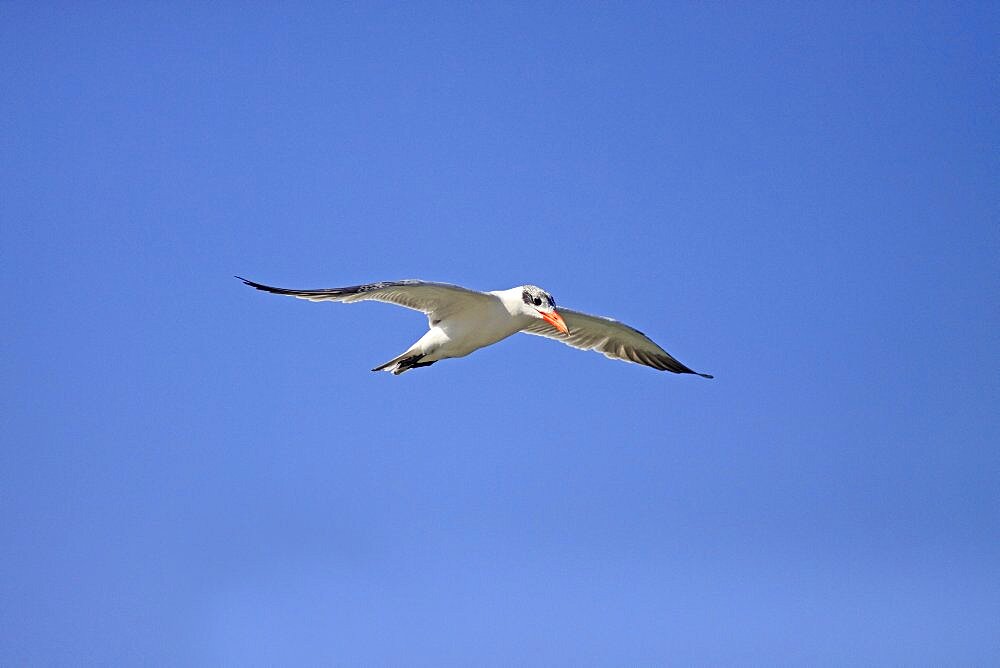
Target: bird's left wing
(615, 339)
(437, 300)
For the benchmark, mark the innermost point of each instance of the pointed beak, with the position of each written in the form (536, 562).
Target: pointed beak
(556, 321)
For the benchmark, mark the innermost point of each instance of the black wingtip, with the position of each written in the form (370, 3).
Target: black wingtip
(705, 375)
(258, 286)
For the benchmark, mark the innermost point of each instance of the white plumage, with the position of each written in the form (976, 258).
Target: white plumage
(462, 321)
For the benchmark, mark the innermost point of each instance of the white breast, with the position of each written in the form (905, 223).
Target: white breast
(469, 330)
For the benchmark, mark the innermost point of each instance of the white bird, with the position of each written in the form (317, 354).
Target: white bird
(462, 321)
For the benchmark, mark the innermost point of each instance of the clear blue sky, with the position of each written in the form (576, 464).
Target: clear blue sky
(800, 198)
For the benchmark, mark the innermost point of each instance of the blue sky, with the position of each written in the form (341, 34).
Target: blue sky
(800, 199)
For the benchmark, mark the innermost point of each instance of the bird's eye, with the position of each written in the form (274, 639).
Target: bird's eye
(538, 302)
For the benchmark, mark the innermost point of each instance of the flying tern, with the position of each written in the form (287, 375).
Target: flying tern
(462, 321)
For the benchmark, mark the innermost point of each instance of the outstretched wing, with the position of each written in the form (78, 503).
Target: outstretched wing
(615, 339)
(437, 300)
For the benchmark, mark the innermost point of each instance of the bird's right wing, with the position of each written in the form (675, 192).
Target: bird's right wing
(437, 300)
(615, 339)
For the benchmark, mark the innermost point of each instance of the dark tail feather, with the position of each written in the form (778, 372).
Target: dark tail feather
(404, 362)
(383, 367)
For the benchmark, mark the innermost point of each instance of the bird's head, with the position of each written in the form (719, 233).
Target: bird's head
(540, 304)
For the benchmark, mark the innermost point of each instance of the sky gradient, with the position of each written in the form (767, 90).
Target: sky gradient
(801, 200)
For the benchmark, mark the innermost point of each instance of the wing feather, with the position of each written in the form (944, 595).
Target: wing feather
(613, 338)
(437, 300)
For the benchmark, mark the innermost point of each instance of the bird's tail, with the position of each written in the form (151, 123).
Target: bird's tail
(403, 363)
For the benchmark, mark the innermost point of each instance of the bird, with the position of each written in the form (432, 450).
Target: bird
(462, 321)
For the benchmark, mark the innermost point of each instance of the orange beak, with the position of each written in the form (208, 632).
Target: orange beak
(556, 321)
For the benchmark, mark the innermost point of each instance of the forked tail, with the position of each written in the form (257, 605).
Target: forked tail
(403, 363)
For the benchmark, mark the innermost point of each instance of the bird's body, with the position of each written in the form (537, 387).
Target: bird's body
(481, 323)
(462, 321)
